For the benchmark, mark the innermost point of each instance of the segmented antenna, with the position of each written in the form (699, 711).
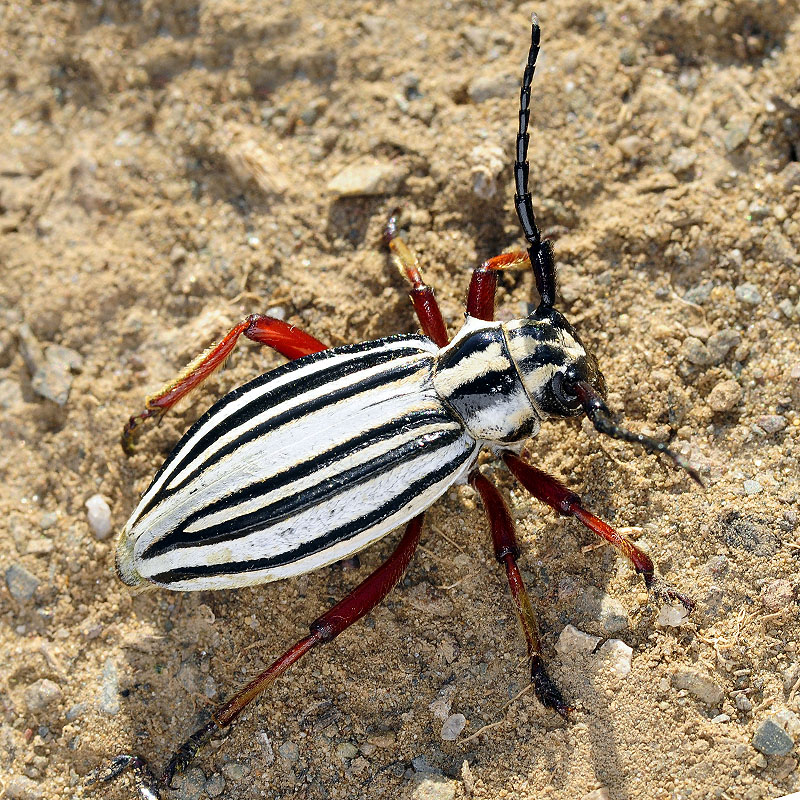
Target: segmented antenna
(541, 253)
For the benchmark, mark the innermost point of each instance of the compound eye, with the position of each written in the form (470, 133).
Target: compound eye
(564, 392)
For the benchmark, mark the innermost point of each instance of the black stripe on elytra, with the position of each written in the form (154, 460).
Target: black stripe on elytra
(270, 398)
(299, 500)
(240, 526)
(340, 534)
(539, 330)
(497, 381)
(544, 355)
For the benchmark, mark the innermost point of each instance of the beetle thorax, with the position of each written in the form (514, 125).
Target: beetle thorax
(476, 376)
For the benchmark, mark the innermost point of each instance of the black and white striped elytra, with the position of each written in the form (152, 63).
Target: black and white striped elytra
(315, 460)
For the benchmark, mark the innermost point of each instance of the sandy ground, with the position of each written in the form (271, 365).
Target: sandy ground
(168, 167)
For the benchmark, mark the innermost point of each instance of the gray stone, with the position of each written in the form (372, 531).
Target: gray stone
(290, 751)
(772, 423)
(487, 87)
(365, 179)
(610, 613)
(215, 785)
(193, 782)
(235, 770)
(695, 352)
(109, 688)
(698, 685)
(98, 514)
(42, 694)
(681, 159)
(572, 641)
(21, 584)
(266, 747)
(700, 294)
(453, 726)
(719, 344)
(790, 175)
(748, 293)
(771, 740)
(752, 487)
(76, 711)
(776, 247)
(18, 787)
(743, 704)
(777, 595)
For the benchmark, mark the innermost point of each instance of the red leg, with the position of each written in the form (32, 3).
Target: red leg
(546, 488)
(281, 336)
(507, 552)
(482, 287)
(422, 296)
(352, 608)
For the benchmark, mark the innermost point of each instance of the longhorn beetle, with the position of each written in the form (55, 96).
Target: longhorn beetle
(316, 460)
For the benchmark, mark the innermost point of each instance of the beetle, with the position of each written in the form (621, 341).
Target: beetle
(312, 462)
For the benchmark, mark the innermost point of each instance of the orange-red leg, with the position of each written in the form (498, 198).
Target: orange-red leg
(483, 285)
(506, 550)
(281, 336)
(328, 626)
(422, 295)
(546, 488)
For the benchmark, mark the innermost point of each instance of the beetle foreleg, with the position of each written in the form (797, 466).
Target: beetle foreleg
(483, 285)
(546, 488)
(422, 295)
(506, 549)
(281, 336)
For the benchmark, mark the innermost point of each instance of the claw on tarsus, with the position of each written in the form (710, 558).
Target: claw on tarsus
(145, 783)
(548, 694)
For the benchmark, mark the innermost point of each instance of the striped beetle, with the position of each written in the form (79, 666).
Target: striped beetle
(313, 461)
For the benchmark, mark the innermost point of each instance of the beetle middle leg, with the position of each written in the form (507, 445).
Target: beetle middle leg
(546, 488)
(506, 550)
(288, 340)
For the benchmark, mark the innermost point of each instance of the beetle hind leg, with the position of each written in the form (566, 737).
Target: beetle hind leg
(281, 336)
(507, 552)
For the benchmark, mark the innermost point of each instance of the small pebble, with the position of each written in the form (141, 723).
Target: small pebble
(720, 718)
(193, 782)
(235, 770)
(422, 765)
(719, 344)
(790, 175)
(366, 179)
(608, 611)
(725, 396)
(487, 87)
(771, 740)
(672, 616)
(571, 640)
(700, 294)
(290, 751)
(433, 787)
(695, 352)
(10, 394)
(752, 487)
(743, 703)
(771, 423)
(698, 685)
(19, 787)
(21, 584)
(98, 514)
(453, 726)
(76, 711)
(266, 747)
(41, 694)
(346, 750)
(616, 657)
(681, 160)
(109, 688)
(215, 785)
(748, 293)
(737, 131)
(777, 595)
(597, 794)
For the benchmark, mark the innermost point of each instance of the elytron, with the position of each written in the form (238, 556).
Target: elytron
(312, 462)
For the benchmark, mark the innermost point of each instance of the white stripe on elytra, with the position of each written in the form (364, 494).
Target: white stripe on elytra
(315, 521)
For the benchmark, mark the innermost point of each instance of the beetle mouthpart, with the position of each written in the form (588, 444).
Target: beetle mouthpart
(597, 411)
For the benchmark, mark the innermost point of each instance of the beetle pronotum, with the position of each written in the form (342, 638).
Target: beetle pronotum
(314, 461)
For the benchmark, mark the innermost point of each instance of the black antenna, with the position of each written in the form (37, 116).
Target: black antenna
(541, 253)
